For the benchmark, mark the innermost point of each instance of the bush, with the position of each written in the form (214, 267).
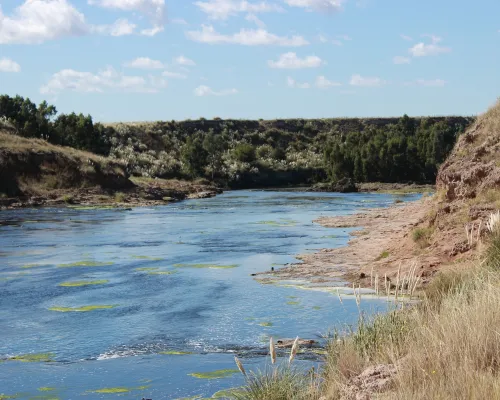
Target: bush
(245, 153)
(421, 236)
(281, 383)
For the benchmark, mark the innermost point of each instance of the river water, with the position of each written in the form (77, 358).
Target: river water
(107, 303)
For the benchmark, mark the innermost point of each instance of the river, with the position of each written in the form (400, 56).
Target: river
(110, 303)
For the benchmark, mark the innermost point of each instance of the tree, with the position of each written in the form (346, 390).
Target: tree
(194, 157)
(245, 152)
(214, 147)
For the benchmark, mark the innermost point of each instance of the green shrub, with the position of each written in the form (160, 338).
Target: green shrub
(280, 383)
(120, 197)
(421, 236)
(244, 152)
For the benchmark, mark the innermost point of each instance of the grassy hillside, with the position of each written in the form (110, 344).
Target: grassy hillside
(35, 172)
(35, 167)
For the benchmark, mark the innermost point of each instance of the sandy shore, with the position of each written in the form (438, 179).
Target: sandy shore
(382, 242)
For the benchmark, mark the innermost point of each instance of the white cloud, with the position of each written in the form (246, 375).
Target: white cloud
(145, 63)
(246, 37)
(434, 39)
(401, 60)
(424, 50)
(181, 60)
(327, 6)
(337, 42)
(223, 9)
(174, 75)
(294, 84)
(179, 21)
(256, 20)
(291, 61)
(37, 21)
(358, 80)
(322, 38)
(431, 82)
(344, 37)
(204, 90)
(8, 65)
(106, 80)
(120, 27)
(152, 31)
(155, 10)
(407, 38)
(323, 83)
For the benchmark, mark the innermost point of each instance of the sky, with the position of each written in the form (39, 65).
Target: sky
(146, 60)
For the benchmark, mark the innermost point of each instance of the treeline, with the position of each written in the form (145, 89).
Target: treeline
(242, 153)
(410, 150)
(43, 122)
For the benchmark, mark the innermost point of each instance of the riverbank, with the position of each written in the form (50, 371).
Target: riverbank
(375, 243)
(35, 173)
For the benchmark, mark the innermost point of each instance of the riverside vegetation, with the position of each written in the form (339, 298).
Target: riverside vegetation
(247, 154)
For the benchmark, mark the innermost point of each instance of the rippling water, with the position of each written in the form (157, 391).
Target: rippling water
(95, 301)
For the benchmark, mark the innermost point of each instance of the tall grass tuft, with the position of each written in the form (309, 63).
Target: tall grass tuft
(282, 383)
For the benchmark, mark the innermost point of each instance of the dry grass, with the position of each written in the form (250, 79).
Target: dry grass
(18, 145)
(422, 236)
(491, 119)
(446, 347)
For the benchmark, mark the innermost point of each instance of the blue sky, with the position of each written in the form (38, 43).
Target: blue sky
(133, 60)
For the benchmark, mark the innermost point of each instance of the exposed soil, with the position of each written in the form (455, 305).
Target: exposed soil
(383, 243)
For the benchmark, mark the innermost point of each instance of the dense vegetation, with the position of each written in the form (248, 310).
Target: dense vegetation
(42, 122)
(243, 153)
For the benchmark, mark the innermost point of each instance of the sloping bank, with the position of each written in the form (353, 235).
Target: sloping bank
(36, 173)
(446, 346)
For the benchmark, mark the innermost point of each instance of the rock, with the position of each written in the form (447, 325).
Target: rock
(345, 185)
(202, 195)
(288, 343)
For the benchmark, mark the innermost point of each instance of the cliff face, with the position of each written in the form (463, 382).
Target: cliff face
(473, 167)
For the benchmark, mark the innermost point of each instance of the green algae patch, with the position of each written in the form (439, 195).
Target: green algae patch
(147, 258)
(117, 390)
(266, 324)
(321, 352)
(278, 223)
(46, 389)
(86, 264)
(293, 303)
(29, 266)
(211, 266)
(111, 390)
(9, 396)
(162, 273)
(83, 283)
(175, 353)
(316, 308)
(34, 358)
(226, 394)
(147, 269)
(219, 374)
(82, 309)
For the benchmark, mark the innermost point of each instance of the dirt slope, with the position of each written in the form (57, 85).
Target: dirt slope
(34, 173)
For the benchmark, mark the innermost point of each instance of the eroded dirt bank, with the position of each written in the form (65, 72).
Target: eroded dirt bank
(384, 239)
